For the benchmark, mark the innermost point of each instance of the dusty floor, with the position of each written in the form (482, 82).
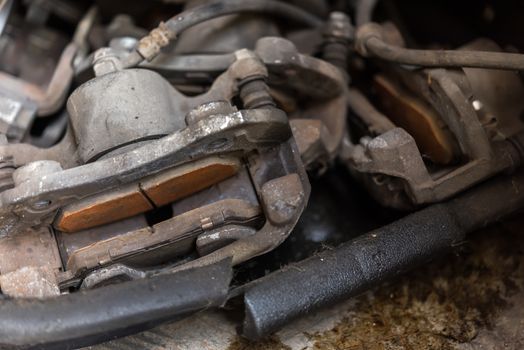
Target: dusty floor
(472, 299)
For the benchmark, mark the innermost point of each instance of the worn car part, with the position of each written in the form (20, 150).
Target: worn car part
(318, 141)
(178, 159)
(118, 143)
(439, 111)
(318, 128)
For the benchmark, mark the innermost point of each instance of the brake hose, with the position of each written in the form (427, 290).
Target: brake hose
(149, 46)
(370, 43)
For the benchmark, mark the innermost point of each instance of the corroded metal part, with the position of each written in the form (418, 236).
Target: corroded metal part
(29, 264)
(456, 133)
(290, 73)
(242, 132)
(172, 237)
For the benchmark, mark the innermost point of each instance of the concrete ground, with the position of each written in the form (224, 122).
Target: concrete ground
(472, 299)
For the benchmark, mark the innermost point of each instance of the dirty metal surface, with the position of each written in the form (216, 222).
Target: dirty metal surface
(471, 299)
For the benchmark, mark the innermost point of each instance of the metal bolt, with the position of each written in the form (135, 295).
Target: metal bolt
(337, 35)
(254, 92)
(106, 61)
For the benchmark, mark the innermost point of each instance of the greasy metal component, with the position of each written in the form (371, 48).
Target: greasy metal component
(478, 154)
(254, 92)
(337, 36)
(64, 152)
(122, 168)
(311, 136)
(251, 81)
(68, 243)
(214, 135)
(170, 238)
(315, 79)
(290, 73)
(50, 99)
(281, 198)
(241, 131)
(42, 167)
(235, 190)
(97, 315)
(418, 119)
(282, 184)
(370, 41)
(359, 264)
(395, 153)
(135, 106)
(218, 238)
(112, 274)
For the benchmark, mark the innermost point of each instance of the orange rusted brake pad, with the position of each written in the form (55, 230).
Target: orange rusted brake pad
(150, 193)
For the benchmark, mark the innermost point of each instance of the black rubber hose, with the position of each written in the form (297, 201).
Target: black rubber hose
(196, 15)
(89, 317)
(199, 14)
(369, 42)
(364, 262)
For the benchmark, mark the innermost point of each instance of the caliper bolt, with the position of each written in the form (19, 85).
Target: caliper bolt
(338, 34)
(251, 74)
(7, 168)
(106, 61)
(254, 92)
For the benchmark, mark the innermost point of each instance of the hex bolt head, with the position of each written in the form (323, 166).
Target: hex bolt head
(106, 61)
(339, 26)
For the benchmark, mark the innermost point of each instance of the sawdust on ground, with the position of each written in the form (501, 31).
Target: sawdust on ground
(441, 305)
